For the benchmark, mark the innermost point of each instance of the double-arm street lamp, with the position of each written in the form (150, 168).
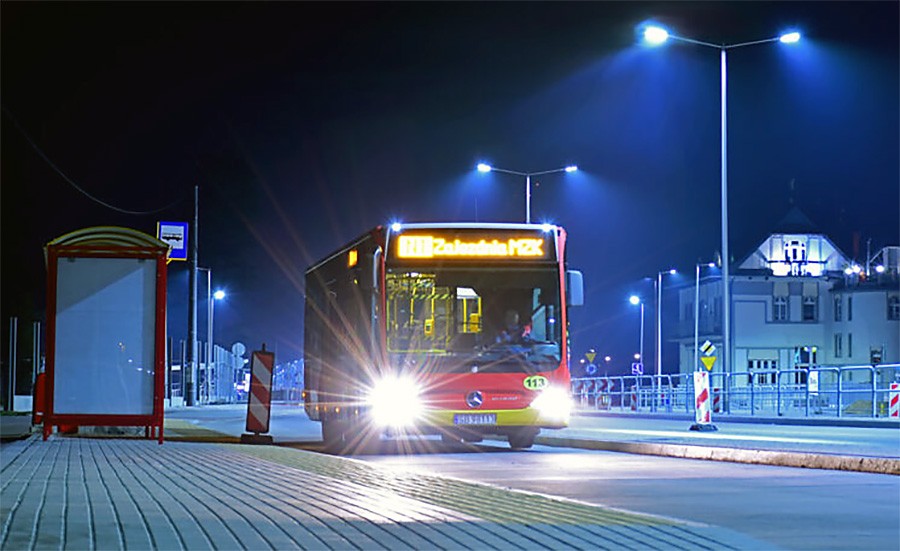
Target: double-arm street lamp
(482, 167)
(655, 35)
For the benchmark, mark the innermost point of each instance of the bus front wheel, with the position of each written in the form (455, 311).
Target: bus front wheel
(522, 438)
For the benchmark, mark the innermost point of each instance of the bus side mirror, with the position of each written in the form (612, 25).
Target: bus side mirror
(574, 288)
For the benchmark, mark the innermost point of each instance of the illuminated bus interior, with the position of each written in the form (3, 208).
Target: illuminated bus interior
(455, 319)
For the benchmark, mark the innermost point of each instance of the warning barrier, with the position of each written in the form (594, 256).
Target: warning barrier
(634, 398)
(702, 414)
(260, 403)
(717, 400)
(894, 400)
(602, 394)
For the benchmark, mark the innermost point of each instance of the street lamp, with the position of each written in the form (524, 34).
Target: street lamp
(655, 35)
(210, 312)
(659, 276)
(697, 310)
(635, 300)
(483, 167)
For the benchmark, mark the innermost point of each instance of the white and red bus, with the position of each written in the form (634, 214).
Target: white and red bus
(452, 329)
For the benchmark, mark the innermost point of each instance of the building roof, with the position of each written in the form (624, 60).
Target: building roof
(795, 221)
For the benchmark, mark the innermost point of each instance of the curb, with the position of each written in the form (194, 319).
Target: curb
(880, 423)
(877, 465)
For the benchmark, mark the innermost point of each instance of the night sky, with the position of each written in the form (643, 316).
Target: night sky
(305, 124)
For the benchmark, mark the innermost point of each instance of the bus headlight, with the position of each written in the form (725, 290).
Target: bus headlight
(395, 402)
(553, 403)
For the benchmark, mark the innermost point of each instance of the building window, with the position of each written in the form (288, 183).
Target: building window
(780, 309)
(765, 371)
(810, 305)
(837, 307)
(850, 308)
(838, 345)
(849, 345)
(893, 307)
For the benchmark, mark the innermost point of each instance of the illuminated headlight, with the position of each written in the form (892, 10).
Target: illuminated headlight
(553, 403)
(395, 402)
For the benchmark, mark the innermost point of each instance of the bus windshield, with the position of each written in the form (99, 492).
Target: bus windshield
(474, 320)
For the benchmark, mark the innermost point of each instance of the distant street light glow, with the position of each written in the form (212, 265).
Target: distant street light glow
(571, 168)
(655, 35)
(484, 167)
(790, 38)
(219, 294)
(634, 299)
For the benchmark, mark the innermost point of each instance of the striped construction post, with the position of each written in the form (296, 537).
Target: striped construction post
(702, 415)
(634, 398)
(259, 404)
(717, 400)
(894, 400)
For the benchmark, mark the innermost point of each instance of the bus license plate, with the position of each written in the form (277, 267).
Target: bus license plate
(475, 419)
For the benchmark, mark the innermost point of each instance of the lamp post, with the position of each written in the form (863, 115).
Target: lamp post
(483, 167)
(210, 313)
(636, 300)
(655, 35)
(697, 311)
(659, 276)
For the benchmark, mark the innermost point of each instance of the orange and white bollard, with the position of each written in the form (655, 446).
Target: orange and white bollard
(702, 415)
(894, 400)
(634, 398)
(259, 405)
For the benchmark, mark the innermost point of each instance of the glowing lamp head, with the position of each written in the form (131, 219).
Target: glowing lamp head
(789, 38)
(483, 167)
(547, 228)
(879, 269)
(655, 35)
(571, 168)
(634, 299)
(219, 294)
(673, 271)
(396, 226)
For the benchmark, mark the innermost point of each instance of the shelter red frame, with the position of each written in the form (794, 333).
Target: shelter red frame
(108, 242)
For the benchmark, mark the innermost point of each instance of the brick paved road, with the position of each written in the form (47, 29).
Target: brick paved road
(124, 493)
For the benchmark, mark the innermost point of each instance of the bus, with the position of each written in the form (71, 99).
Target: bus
(458, 330)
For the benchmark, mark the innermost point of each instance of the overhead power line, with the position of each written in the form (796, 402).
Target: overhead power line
(72, 182)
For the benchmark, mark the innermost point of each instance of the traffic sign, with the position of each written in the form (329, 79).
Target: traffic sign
(637, 368)
(590, 369)
(708, 362)
(708, 348)
(175, 234)
(590, 356)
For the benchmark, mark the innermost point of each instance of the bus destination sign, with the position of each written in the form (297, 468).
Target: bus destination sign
(511, 246)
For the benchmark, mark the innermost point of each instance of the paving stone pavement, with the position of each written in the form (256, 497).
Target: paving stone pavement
(128, 493)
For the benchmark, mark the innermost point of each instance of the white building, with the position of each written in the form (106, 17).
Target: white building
(797, 300)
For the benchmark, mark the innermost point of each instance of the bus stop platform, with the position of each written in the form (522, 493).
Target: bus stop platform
(78, 492)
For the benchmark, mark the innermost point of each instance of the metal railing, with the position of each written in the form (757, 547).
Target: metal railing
(844, 391)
